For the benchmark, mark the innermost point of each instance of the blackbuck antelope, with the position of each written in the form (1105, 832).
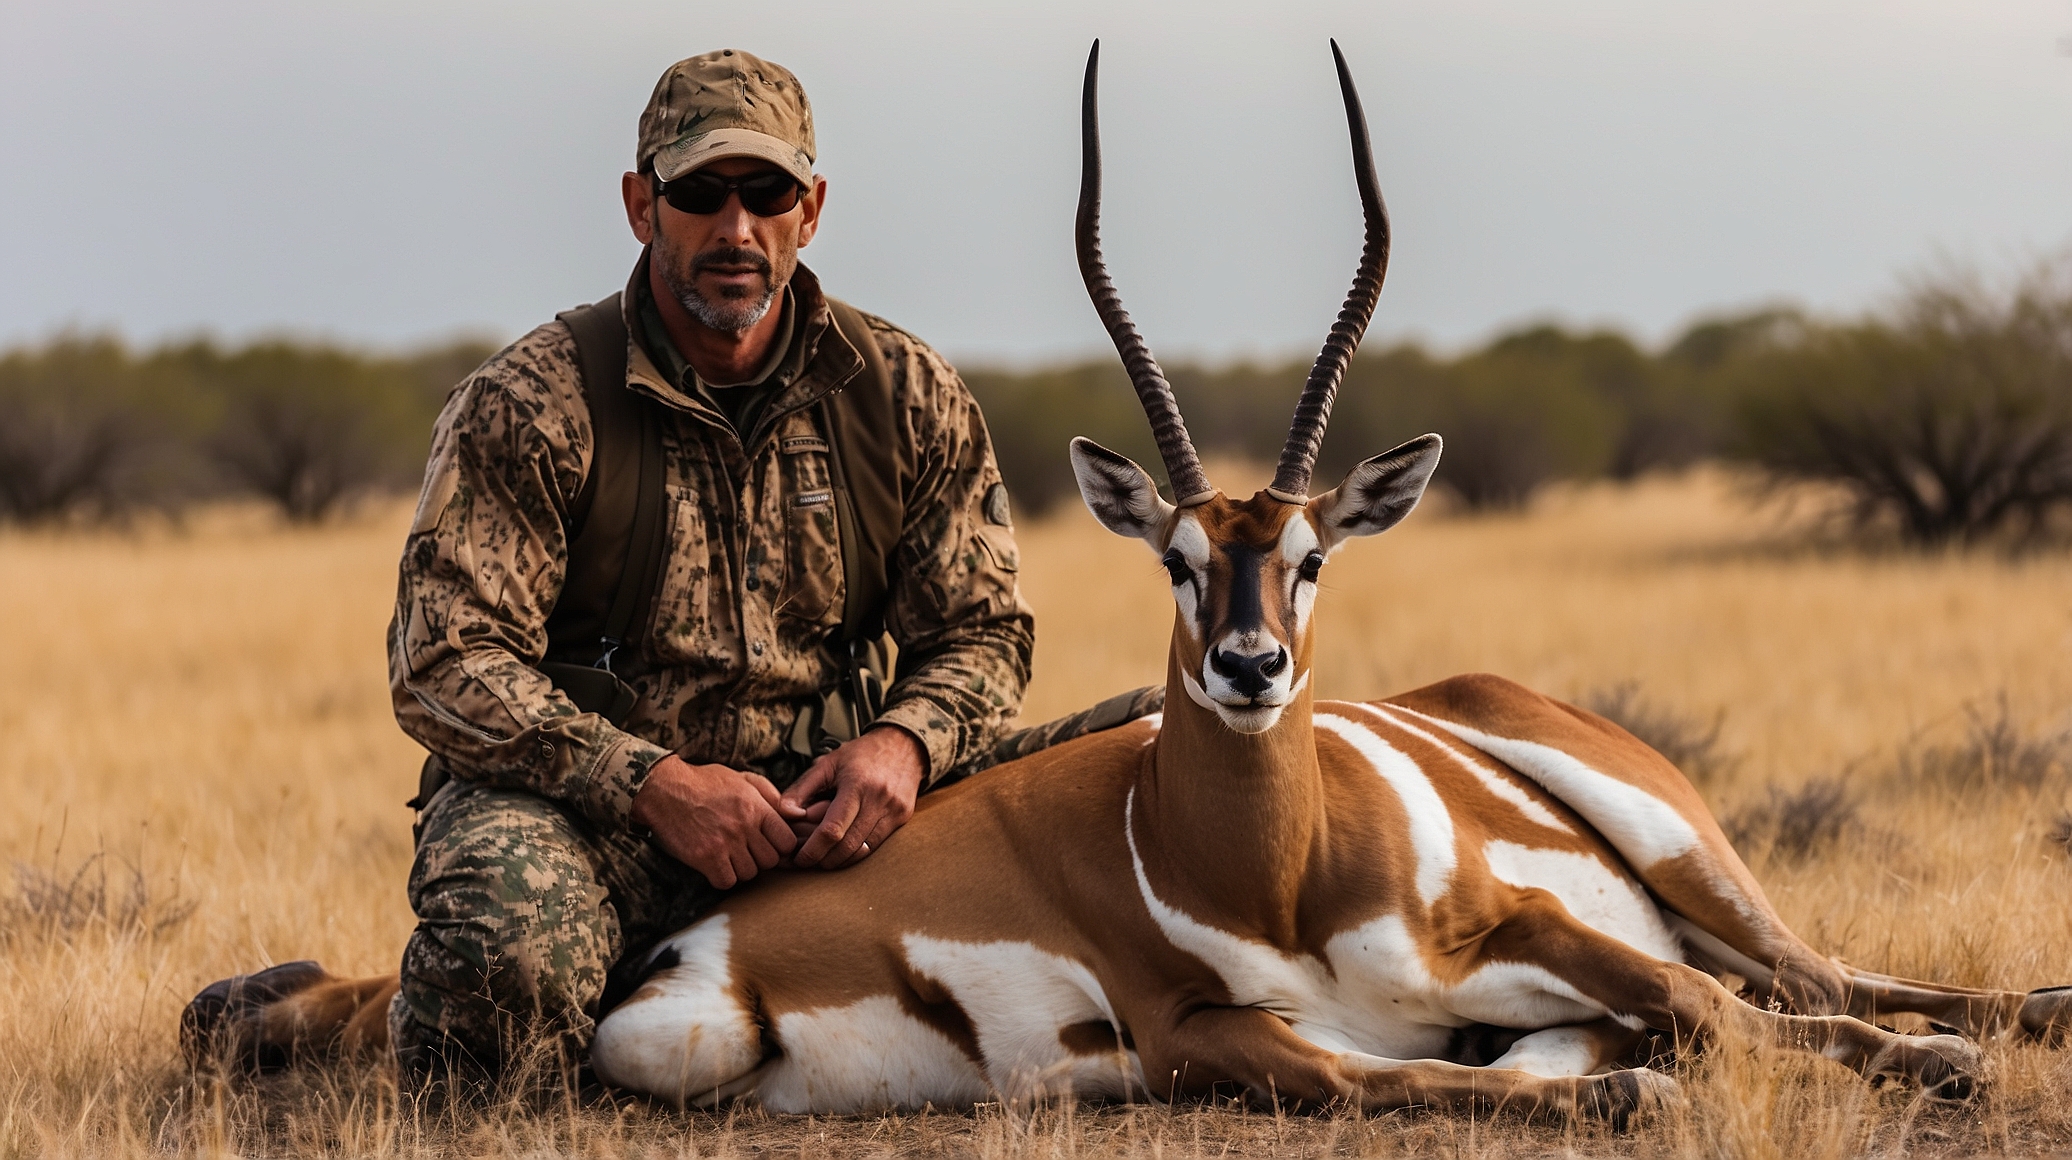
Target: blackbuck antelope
(1468, 895)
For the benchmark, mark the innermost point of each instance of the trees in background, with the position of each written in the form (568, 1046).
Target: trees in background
(69, 429)
(91, 430)
(1947, 418)
(1950, 418)
(1535, 405)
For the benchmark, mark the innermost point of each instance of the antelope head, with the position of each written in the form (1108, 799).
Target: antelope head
(1244, 572)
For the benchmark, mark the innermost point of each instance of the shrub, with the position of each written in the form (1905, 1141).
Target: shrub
(1034, 416)
(1690, 744)
(48, 903)
(1952, 419)
(300, 426)
(70, 435)
(1794, 824)
(1995, 752)
(88, 430)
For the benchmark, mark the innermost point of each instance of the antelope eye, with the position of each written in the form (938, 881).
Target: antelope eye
(1311, 565)
(1177, 568)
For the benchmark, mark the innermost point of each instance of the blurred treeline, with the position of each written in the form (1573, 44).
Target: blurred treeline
(1945, 417)
(1534, 405)
(91, 430)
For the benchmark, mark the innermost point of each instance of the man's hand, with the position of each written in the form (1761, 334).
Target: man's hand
(721, 822)
(873, 779)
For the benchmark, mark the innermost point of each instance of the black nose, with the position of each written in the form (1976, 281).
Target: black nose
(1249, 675)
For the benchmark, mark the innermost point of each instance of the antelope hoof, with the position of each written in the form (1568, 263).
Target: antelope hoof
(225, 1022)
(1620, 1097)
(2047, 1015)
(1947, 1068)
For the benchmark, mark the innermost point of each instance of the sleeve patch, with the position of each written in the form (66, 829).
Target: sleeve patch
(998, 509)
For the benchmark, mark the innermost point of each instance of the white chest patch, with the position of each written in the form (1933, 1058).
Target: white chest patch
(1019, 999)
(1643, 828)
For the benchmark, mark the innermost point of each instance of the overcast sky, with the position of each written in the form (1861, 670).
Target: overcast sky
(391, 173)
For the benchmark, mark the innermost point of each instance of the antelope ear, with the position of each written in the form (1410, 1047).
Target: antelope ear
(1378, 492)
(1119, 493)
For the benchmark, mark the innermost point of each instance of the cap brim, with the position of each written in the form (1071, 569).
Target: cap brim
(692, 152)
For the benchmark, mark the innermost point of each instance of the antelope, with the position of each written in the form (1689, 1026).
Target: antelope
(1467, 896)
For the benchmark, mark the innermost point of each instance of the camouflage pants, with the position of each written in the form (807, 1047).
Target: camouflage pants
(524, 910)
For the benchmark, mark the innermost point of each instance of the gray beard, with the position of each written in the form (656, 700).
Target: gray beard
(730, 315)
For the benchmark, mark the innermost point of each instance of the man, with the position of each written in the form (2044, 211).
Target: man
(564, 842)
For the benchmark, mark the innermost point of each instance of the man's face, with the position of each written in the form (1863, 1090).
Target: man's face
(727, 267)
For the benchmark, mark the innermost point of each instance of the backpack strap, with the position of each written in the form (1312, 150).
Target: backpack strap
(614, 531)
(863, 444)
(615, 521)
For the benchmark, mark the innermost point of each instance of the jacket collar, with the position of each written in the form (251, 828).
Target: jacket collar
(830, 358)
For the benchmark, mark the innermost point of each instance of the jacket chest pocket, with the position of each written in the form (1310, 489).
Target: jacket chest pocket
(813, 539)
(686, 626)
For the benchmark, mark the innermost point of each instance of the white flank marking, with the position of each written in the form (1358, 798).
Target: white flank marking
(688, 1038)
(1514, 994)
(1600, 898)
(1641, 827)
(867, 1056)
(1489, 778)
(1431, 825)
(1557, 1051)
(1019, 998)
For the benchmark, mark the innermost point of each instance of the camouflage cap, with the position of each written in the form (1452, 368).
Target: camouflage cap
(727, 104)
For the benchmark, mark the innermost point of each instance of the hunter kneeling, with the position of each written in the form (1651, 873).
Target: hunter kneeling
(666, 547)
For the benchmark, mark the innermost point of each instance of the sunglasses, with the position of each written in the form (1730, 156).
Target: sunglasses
(762, 194)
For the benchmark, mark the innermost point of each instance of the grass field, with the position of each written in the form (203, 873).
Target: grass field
(202, 776)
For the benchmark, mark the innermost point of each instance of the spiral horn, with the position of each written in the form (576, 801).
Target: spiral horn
(1313, 410)
(1183, 466)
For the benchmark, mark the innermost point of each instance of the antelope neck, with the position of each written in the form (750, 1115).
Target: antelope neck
(1229, 820)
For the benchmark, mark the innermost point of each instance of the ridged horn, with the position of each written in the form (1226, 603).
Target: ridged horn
(1313, 411)
(1183, 466)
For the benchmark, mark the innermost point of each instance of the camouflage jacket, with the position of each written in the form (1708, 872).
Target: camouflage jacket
(751, 592)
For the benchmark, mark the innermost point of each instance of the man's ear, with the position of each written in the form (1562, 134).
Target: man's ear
(1119, 493)
(1377, 493)
(637, 190)
(815, 200)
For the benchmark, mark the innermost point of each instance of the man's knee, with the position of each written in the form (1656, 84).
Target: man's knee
(515, 931)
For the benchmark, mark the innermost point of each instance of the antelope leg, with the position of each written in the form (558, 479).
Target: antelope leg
(1694, 1006)
(1218, 1049)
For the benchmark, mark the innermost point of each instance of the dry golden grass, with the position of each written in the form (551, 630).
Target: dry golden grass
(202, 777)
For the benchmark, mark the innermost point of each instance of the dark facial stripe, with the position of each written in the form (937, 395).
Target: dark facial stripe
(1244, 613)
